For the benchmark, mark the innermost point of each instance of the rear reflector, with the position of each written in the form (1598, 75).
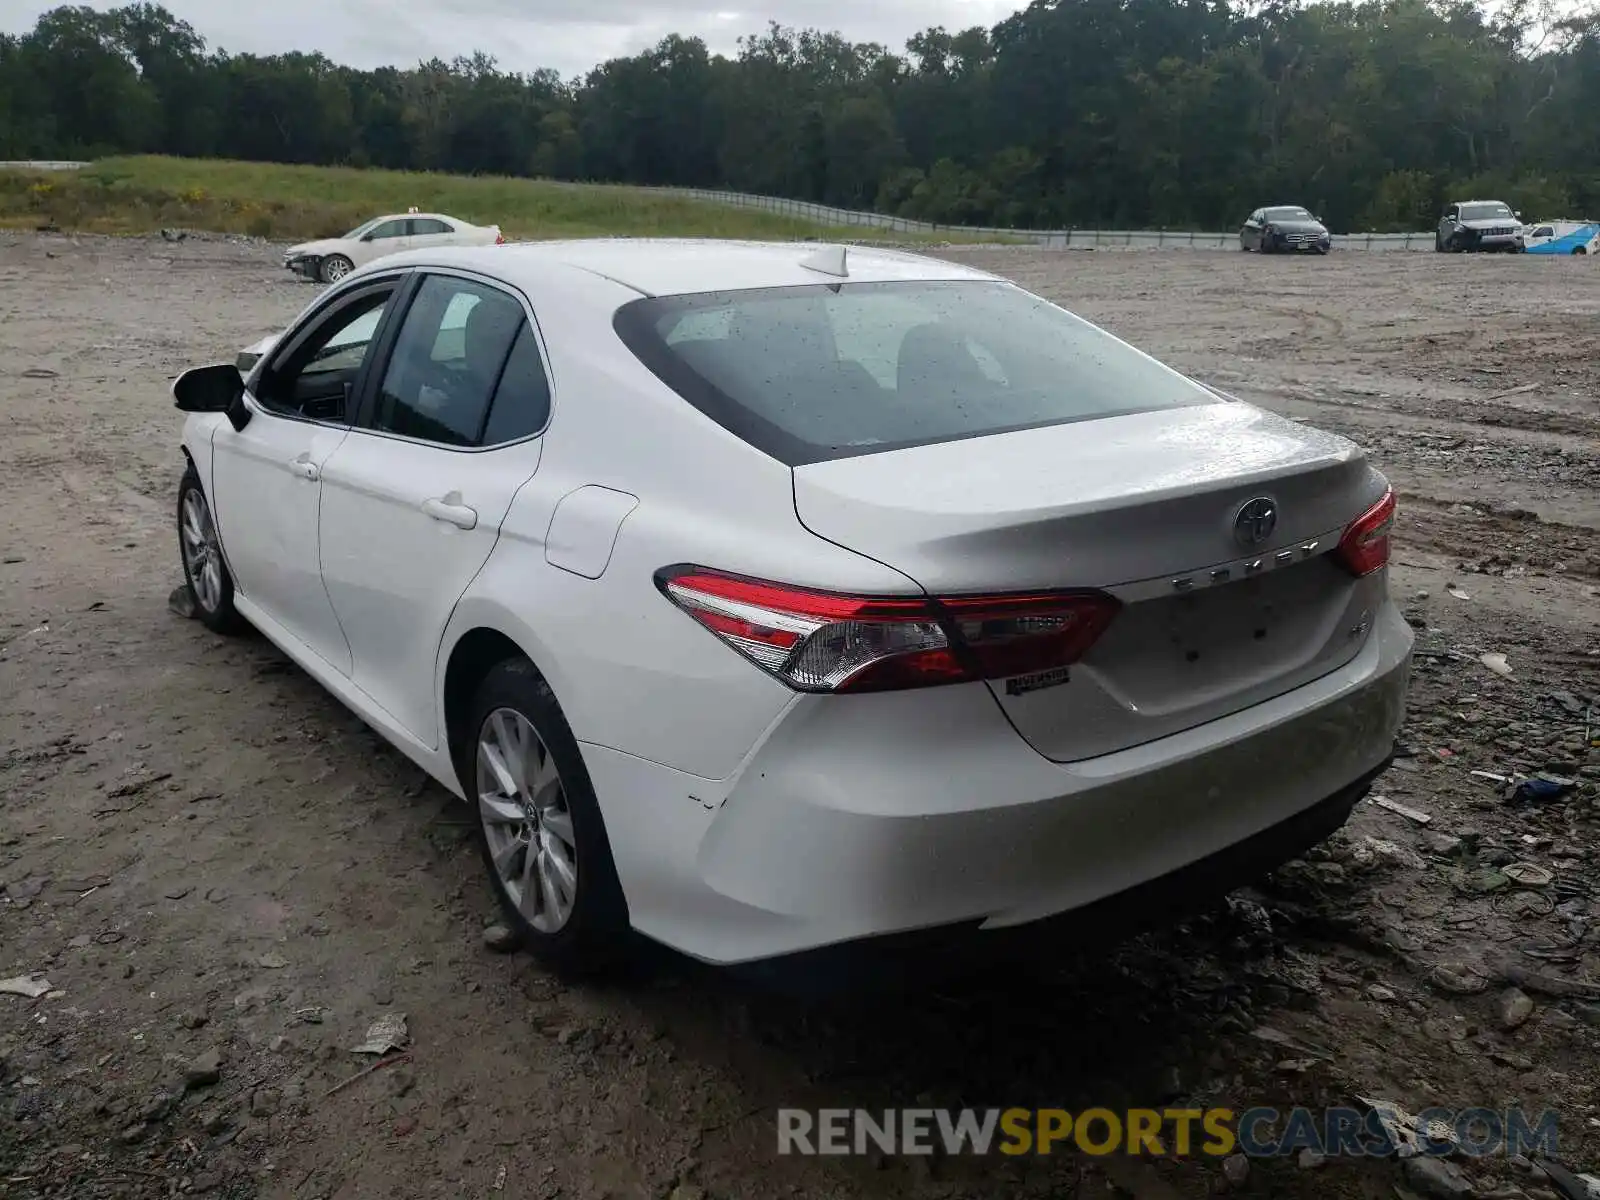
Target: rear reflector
(1364, 548)
(820, 642)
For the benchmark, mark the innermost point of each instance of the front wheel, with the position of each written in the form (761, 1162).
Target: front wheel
(204, 571)
(544, 839)
(335, 267)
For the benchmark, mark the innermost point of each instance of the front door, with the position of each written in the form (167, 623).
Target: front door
(389, 238)
(266, 478)
(412, 501)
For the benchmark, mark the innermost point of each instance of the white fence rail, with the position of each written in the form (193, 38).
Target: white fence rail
(1060, 239)
(1137, 239)
(42, 164)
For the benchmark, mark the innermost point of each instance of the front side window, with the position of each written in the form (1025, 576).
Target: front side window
(387, 230)
(447, 362)
(812, 373)
(315, 376)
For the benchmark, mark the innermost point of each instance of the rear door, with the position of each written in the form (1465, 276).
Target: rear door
(428, 232)
(448, 430)
(1251, 234)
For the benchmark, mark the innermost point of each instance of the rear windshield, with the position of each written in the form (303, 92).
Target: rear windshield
(811, 373)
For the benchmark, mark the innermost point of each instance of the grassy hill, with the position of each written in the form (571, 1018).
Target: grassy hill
(144, 194)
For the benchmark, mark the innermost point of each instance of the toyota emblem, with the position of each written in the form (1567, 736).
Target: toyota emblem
(1255, 521)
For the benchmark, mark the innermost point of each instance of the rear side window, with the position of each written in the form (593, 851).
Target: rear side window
(811, 373)
(522, 401)
(447, 362)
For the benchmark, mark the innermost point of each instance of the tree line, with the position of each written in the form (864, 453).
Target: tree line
(1070, 113)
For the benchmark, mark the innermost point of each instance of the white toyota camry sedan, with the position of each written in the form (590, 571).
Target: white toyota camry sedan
(771, 600)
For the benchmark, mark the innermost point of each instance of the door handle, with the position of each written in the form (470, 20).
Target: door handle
(305, 468)
(449, 509)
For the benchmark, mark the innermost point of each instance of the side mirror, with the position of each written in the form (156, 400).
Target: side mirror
(218, 388)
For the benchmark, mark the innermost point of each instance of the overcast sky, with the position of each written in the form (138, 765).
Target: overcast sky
(569, 35)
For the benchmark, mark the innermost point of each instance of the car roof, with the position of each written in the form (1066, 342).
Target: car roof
(674, 267)
(412, 216)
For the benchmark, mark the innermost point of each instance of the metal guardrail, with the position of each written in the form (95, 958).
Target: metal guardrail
(1059, 239)
(42, 164)
(1138, 239)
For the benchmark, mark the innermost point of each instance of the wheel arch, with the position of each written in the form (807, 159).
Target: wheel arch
(476, 646)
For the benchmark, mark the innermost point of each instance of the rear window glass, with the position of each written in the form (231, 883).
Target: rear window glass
(806, 374)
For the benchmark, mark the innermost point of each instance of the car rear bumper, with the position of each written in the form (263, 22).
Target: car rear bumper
(859, 817)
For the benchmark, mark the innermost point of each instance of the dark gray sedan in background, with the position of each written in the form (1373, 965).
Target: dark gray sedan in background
(1284, 227)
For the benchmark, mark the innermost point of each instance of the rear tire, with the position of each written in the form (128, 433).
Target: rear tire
(334, 268)
(541, 831)
(1580, 249)
(205, 572)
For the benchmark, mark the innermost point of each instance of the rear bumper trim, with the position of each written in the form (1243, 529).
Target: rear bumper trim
(1107, 920)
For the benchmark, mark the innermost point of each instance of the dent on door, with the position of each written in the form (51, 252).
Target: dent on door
(584, 527)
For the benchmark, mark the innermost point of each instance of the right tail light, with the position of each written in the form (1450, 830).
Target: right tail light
(1364, 547)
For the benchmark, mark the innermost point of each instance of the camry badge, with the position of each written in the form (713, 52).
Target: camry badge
(1255, 521)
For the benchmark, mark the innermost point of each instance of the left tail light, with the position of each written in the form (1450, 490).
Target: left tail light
(1364, 547)
(499, 239)
(822, 642)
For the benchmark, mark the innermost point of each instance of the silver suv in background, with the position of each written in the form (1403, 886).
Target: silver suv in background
(1479, 225)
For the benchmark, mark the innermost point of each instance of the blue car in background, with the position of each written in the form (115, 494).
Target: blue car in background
(1561, 237)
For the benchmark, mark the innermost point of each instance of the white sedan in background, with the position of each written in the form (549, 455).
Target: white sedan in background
(764, 598)
(331, 259)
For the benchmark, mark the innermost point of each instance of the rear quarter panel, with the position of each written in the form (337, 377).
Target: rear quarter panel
(630, 670)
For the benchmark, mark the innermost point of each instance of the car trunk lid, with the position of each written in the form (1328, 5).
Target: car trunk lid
(1145, 507)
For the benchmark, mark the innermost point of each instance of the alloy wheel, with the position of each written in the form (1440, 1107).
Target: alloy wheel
(527, 821)
(202, 555)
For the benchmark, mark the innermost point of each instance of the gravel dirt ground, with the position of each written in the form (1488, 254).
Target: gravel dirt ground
(225, 878)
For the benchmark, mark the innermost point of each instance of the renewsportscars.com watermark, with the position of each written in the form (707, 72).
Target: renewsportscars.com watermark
(1168, 1132)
